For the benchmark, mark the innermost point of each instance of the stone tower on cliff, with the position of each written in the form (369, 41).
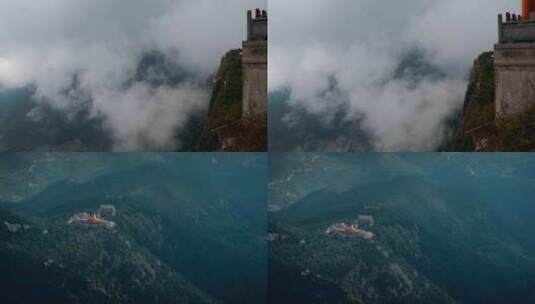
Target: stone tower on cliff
(255, 64)
(514, 59)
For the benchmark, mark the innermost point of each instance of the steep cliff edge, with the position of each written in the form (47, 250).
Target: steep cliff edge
(476, 128)
(225, 128)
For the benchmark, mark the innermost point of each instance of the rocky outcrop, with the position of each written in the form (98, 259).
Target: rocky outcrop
(226, 129)
(478, 129)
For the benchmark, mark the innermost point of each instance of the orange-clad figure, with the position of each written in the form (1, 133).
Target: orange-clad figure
(528, 6)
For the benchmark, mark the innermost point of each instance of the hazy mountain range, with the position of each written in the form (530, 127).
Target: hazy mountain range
(447, 228)
(186, 231)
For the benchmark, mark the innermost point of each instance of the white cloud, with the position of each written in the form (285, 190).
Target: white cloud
(46, 42)
(360, 44)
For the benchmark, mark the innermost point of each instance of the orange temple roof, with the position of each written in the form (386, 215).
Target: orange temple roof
(528, 6)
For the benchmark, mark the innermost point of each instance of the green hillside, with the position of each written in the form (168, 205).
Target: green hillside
(225, 121)
(182, 235)
(457, 230)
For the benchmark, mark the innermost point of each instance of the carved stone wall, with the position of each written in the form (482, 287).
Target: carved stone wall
(254, 77)
(515, 77)
(254, 60)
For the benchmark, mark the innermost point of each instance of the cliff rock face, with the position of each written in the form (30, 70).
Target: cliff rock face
(476, 127)
(226, 129)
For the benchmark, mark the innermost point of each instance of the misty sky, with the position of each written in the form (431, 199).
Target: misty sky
(45, 43)
(360, 44)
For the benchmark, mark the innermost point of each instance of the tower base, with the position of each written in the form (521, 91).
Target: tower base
(515, 77)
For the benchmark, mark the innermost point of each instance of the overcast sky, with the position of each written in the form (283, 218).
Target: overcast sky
(46, 42)
(360, 43)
